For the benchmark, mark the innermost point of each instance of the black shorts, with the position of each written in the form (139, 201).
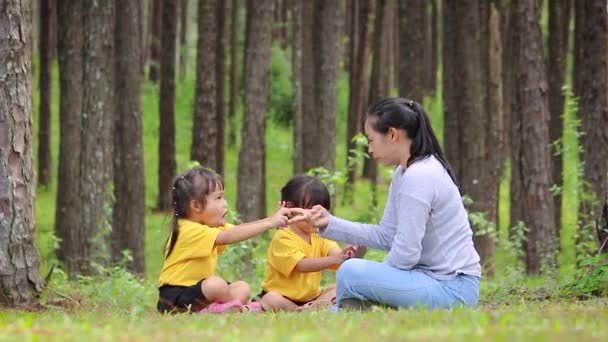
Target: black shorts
(291, 300)
(176, 299)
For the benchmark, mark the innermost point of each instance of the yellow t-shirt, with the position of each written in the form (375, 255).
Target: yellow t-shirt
(285, 251)
(194, 255)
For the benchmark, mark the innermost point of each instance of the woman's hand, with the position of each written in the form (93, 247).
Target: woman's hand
(356, 251)
(318, 216)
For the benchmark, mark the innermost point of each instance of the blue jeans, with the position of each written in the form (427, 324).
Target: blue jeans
(379, 283)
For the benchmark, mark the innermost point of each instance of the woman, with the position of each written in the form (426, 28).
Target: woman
(431, 259)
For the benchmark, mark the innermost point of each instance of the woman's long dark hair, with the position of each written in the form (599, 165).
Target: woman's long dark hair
(197, 183)
(401, 113)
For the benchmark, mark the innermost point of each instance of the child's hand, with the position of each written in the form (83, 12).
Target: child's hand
(281, 216)
(355, 251)
(340, 258)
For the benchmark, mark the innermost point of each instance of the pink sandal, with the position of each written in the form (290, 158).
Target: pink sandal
(255, 307)
(217, 308)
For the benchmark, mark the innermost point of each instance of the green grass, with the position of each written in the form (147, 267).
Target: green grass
(117, 306)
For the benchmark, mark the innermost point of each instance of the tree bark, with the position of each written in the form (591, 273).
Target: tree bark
(234, 22)
(221, 85)
(559, 29)
(205, 128)
(155, 39)
(321, 50)
(378, 87)
(451, 131)
(20, 281)
(534, 154)
(67, 211)
(360, 51)
(297, 80)
(97, 118)
(257, 67)
(166, 144)
(46, 62)
(183, 39)
(412, 46)
(129, 212)
(593, 109)
(434, 41)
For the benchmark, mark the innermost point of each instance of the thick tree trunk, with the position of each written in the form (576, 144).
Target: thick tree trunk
(129, 212)
(46, 62)
(297, 79)
(451, 131)
(327, 57)
(96, 136)
(220, 69)
(234, 22)
(559, 29)
(205, 128)
(67, 212)
(378, 88)
(593, 109)
(257, 67)
(534, 155)
(321, 50)
(166, 143)
(434, 41)
(412, 46)
(360, 51)
(155, 39)
(183, 39)
(20, 281)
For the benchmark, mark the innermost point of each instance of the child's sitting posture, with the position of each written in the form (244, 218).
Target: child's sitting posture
(187, 280)
(297, 254)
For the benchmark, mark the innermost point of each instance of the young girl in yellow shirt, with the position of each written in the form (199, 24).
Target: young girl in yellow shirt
(297, 254)
(199, 233)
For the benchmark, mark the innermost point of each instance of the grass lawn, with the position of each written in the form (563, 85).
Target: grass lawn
(117, 306)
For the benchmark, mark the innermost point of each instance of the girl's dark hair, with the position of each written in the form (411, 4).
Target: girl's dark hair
(408, 115)
(195, 184)
(305, 192)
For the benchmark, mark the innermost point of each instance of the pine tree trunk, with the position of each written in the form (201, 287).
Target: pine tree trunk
(183, 39)
(129, 212)
(296, 67)
(46, 61)
(20, 281)
(360, 50)
(593, 109)
(166, 143)
(67, 212)
(378, 86)
(221, 85)
(559, 29)
(155, 39)
(234, 22)
(204, 128)
(451, 131)
(412, 46)
(257, 68)
(328, 50)
(432, 77)
(96, 136)
(534, 154)
(321, 50)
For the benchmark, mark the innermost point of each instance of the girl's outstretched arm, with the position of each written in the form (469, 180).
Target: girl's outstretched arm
(246, 231)
(318, 264)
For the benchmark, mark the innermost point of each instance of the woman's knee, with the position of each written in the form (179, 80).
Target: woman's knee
(353, 269)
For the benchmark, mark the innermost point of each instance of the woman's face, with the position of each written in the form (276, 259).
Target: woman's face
(388, 148)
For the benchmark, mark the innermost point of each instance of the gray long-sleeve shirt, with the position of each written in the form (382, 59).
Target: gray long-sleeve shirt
(425, 225)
